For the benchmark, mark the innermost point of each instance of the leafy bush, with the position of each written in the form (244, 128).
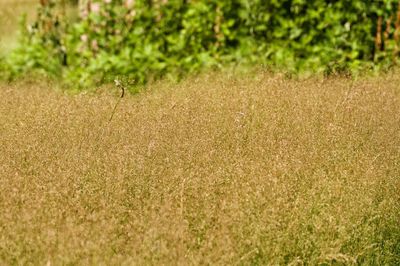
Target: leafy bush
(146, 39)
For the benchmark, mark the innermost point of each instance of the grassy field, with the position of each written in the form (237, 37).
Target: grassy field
(216, 170)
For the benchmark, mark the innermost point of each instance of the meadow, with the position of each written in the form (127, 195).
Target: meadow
(219, 169)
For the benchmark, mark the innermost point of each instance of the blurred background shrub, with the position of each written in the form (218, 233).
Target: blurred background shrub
(149, 39)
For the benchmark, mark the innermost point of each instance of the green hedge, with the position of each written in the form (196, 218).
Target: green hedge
(146, 39)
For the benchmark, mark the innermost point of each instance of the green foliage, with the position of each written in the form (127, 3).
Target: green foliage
(146, 39)
(39, 48)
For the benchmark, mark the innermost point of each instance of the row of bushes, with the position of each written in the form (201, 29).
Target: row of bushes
(149, 39)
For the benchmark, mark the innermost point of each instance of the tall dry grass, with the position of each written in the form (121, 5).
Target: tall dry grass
(216, 170)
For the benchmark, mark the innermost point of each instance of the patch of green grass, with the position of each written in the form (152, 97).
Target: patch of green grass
(215, 170)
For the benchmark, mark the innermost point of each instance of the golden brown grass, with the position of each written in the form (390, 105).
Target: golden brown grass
(216, 170)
